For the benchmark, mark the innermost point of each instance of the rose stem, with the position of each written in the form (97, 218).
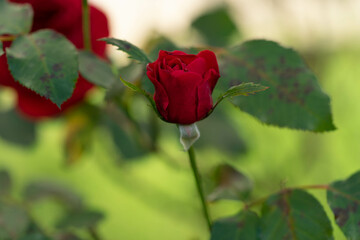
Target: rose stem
(86, 25)
(195, 170)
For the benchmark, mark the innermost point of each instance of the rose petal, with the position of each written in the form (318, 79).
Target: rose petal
(160, 96)
(197, 66)
(185, 58)
(59, 15)
(211, 77)
(182, 92)
(210, 59)
(99, 29)
(204, 100)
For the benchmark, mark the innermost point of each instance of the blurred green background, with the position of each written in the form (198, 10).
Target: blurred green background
(154, 196)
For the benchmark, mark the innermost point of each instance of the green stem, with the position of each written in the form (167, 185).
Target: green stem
(86, 25)
(195, 170)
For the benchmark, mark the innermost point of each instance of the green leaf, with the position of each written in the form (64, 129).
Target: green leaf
(230, 184)
(43, 189)
(243, 89)
(33, 232)
(35, 236)
(243, 226)
(13, 221)
(296, 215)
(133, 51)
(123, 139)
(45, 62)
(15, 18)
(16, 129)
(1, 49)
(344, 200)
(82, 219)
(294, 98)
(143, 92)
(96, 70)
(5, 183)
(216, 26)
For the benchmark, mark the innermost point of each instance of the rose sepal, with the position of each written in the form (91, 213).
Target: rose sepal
(189, 134)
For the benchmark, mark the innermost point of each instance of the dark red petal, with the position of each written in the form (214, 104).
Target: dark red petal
(211, 77)
(55, 14)
(160, 96)
(210, 59)
(205, 101)
(197, 66)
(99, 29)
(182, 92)
(5, 77)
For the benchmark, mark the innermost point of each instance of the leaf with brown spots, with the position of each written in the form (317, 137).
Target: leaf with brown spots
(344, 200)
(44, 64)
(294, 98)
(15, 19)
(243, 226)
(294, 215)
(96, 70)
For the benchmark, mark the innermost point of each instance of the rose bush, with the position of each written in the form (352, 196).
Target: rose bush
(184, 84)
(65, 17)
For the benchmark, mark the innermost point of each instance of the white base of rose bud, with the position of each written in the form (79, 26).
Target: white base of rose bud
(189, 134)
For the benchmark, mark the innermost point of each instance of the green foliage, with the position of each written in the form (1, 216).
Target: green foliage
(243, 89)
(216, 26)
(230, 184)
(123, 139)
(243, 226)
(294, 214)
(344, 200)
(42, 189)
(15, 18)
(81, 219)
(16, 129)
(294, 98)
(290, 214)
(5, 183)
(13, 221)
(33, 232)
(46, 62)
(96, 70)
(133, 51)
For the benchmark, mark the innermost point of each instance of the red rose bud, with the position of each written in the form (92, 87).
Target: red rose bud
(183, 85)
(65, 17)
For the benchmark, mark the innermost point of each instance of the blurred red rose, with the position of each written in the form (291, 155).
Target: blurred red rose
(184, 84)
(65, 17)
